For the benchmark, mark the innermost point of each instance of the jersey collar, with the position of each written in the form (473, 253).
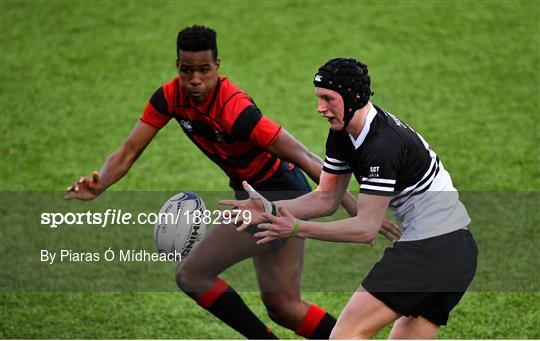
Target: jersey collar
(365, 130)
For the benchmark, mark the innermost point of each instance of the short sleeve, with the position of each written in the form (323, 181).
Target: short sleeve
(335, 161)
(250, 124)
(156, 112)
(380, 161)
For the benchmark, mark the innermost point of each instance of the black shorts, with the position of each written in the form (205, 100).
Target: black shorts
(425, 277)
(287, 183)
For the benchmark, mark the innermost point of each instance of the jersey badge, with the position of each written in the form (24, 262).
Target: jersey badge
(187, 126)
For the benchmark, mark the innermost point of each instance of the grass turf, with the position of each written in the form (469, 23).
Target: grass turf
(75, 77)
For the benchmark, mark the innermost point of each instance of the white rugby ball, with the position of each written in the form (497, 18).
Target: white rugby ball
(179, 227)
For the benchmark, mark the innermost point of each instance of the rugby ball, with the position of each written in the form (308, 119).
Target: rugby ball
(179, 226)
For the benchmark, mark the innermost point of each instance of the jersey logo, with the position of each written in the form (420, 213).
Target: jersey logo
(374, 172)
(318, 78)
(198, 128)
(186, 125)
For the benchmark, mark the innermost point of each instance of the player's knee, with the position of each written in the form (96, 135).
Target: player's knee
(187, 277)
(414, 328)
(182, 276)
(283, 309)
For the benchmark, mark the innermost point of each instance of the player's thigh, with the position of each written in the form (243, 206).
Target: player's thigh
(279, 270)
(221, 248)
(408, 327)
(363, 316)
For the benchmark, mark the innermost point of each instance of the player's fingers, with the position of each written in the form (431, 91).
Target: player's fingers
(393, 227)
(266, 240)
(86, 182)
(247, 187)
(396, 234)
(95, 177)
(263, 234)
(267, 226)
(228, 202)
(266, 234)
(70, 188)
(242, 227)
(393, 230)
(269, 216)
(386, 235)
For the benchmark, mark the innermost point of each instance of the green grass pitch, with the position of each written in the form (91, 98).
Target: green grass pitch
(75, 77)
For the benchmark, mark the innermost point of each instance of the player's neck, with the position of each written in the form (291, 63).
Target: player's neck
(358, 121)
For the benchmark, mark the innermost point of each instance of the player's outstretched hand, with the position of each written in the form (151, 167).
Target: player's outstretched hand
(85, 188)
(390, 230)
(276, 227)
(255, 205)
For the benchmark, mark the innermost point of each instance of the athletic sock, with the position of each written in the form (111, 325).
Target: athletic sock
(225, 303)
(317, 324)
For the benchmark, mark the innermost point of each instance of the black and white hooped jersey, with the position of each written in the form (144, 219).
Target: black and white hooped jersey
(391, 159)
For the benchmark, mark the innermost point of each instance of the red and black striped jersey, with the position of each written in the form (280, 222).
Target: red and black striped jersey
(227, 127)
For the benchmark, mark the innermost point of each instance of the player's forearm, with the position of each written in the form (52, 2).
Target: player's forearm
(346, 230)
(115, 167)
(311, 205)
(313, 166)
(349, 202)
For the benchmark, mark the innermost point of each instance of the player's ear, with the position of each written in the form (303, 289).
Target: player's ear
(217, 62)
(177, 63)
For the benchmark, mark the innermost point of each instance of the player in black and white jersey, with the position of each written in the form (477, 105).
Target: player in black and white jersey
(424, 275)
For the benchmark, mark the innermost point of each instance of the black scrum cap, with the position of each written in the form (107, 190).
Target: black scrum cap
(350, 79)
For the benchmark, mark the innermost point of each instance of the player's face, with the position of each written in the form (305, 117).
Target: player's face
(198, 71)
(330, 105)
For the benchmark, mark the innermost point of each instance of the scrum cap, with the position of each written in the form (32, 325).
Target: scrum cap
(350, 79)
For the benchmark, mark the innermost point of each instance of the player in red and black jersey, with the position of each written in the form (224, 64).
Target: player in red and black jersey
(227, 126)
(224, 122)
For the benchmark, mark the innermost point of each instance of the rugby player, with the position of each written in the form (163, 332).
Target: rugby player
(226, 125)
(423, 276)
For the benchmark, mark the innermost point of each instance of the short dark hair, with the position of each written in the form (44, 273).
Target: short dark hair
(197, 38)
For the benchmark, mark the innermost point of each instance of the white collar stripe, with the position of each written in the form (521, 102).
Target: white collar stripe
(365, 130)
